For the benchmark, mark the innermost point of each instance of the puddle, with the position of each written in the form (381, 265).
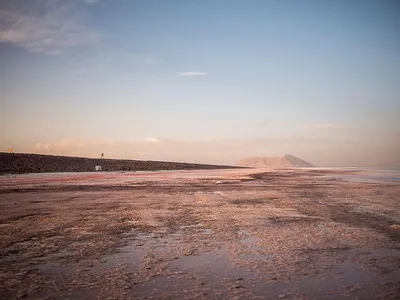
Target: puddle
(255, 257)
(53, 268)
(191, 226)
(212, 268)
(200, 228)
(218, 272)
(137, 249)
(249, 241)
(348, 280)
(204, 263)
(355, 274)
(176, 287)
(130, 256)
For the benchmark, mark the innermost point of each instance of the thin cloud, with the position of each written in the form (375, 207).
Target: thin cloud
(322, 126)
(152, 140)
(91, 1)
(47, 26)
(192, 74)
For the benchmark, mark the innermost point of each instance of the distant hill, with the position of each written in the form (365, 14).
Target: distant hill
(36, 163)
(287, 161)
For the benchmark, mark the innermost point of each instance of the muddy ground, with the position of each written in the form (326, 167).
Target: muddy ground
(226, 234)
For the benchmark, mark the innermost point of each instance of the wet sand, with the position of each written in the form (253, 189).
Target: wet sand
(210, 234)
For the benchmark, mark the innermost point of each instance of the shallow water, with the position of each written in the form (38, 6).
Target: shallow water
(369, 174)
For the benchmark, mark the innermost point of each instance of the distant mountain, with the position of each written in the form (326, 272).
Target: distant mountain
(287, 161)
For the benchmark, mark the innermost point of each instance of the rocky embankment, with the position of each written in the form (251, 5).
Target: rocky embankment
(37, 163)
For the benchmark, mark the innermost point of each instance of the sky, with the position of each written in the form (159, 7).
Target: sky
(208, 81)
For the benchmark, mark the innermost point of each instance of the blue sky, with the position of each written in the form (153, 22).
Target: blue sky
(202, 80)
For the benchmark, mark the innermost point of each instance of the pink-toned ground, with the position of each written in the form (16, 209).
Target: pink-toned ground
(211, 234)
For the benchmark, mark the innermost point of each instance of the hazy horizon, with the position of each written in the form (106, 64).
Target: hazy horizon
(202, 81)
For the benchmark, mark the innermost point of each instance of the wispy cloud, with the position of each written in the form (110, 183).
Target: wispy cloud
(192, 73)
(69, 144)
(321, 126)
(152, 140)
(48, 26)
(91, 1)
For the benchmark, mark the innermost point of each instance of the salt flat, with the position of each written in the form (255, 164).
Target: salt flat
(209, 234)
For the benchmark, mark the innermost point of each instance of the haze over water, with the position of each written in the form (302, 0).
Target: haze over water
(367, 173)
(392, 174)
